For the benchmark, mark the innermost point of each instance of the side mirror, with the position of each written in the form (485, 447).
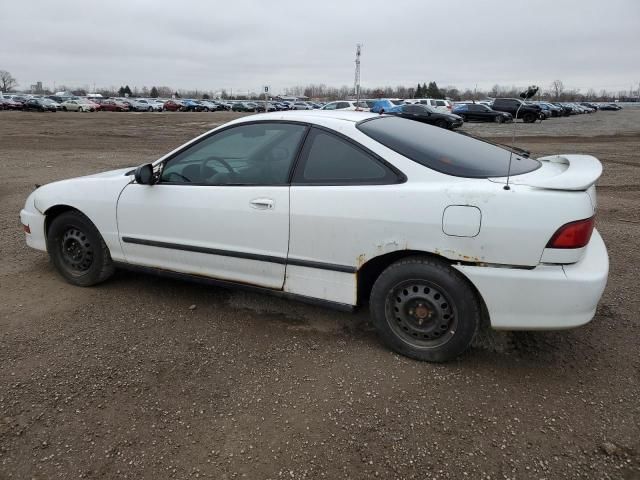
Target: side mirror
(144, 174)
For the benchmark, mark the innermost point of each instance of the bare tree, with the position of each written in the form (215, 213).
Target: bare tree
(557, 88)
(7, 82)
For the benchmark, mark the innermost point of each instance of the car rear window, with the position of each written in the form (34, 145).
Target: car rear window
(444, 151)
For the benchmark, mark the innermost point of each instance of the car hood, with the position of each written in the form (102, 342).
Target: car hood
(111, 173)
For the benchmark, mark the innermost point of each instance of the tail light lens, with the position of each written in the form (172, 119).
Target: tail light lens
(573, 234)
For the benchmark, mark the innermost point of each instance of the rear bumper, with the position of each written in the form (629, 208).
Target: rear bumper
(548, 297)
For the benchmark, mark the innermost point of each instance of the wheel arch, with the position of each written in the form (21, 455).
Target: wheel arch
(54, 211)
(369, 272)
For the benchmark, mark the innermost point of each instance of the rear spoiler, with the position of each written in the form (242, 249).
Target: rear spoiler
(560, 172)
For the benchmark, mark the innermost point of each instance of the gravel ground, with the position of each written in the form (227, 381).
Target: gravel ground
(147, 378)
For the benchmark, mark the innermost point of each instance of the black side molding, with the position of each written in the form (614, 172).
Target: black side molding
(249, 256)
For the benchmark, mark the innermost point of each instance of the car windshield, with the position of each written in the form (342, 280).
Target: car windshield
(444, 151)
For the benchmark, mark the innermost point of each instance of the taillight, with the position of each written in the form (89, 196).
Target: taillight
(573, 234)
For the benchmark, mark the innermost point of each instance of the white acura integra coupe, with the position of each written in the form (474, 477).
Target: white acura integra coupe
(346, 208)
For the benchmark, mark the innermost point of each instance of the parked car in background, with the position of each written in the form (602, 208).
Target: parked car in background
(300, 106)
(476, 112)
(39, 105)
(528, 113)
(243, 107)
(544, 110)
(173, 105)
(380, 106)
(270, 107)
(50, 102)
(347, 208)
(609, 106)
(142, 105)
(426, 114)
(590, 105)
(441, 105)
(78, 106)
(566, 108)
(555, 110)
(347, 105)
(192, 105)
(111, 105)
(9, 103)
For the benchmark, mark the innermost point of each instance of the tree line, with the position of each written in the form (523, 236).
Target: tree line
(556, 91)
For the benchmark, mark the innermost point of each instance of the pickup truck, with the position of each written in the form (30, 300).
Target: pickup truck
(528, 113)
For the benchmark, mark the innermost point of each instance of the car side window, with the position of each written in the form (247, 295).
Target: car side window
(330, 106)
(253, 154)
(328, 159)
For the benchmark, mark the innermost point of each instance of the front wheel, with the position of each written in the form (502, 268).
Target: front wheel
(500, 119)
(424, 309)
(442, 124)
(528, 118)
(77, 250)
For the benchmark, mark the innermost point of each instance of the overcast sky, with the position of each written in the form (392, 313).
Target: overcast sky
(243, 44)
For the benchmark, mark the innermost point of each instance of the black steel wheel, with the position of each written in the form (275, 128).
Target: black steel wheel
(77, 249)
(423, 315)
(425, 309)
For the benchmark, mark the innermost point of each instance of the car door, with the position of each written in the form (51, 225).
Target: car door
(337, 191)
(474, 112)
(220, 208)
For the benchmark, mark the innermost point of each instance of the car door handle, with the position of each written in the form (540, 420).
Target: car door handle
(262, 203)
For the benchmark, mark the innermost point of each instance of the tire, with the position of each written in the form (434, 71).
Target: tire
(500, 119)
(529, 118)
(424, 309)
(464, 118)
(150, 109)
(442, 124)
(77, 250)
(64, 109)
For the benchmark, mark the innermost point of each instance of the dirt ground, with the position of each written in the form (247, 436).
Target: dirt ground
(125, 380)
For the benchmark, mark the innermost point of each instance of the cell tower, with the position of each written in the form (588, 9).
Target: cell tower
(356, 80)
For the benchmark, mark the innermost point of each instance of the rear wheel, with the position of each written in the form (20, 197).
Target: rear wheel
(77, 250)
(463, 117)
(424, 309)
(528, 118)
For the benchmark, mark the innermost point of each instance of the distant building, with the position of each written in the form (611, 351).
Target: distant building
(37, 88)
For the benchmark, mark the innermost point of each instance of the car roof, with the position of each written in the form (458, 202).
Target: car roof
(328, 118)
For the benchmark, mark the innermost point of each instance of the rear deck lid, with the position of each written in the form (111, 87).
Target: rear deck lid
(559, 172)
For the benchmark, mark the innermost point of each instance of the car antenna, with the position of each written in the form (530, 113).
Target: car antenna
(525, 95)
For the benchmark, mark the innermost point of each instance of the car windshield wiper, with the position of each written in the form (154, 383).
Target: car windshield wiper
(521, 151)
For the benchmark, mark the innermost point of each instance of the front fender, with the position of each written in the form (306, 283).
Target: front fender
(94, 196)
